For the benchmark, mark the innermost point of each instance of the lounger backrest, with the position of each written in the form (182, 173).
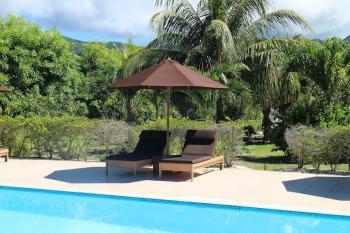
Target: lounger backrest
(151, 142)
(200, 142)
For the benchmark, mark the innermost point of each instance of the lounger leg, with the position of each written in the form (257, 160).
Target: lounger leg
(7, 157)
(160, 174)
(192, 175)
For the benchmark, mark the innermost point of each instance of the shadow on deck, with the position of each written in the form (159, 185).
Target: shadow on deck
(95, 175)
(336, 188)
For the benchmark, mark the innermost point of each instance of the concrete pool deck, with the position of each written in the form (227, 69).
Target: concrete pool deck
(238, 186)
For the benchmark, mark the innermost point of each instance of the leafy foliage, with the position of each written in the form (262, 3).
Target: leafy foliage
(318, 145)
(40, 70)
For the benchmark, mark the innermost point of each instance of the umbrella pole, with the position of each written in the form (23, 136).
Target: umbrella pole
(167, 121)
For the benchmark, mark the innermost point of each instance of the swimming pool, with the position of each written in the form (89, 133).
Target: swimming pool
(25, 210)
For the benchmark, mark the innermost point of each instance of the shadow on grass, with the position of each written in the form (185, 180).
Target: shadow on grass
(263, 160)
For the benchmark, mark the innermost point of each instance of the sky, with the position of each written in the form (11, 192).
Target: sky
(117, 20)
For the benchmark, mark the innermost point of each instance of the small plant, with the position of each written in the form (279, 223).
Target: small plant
(230, 143)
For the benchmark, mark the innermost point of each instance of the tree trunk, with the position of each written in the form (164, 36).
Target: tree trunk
(266, 123)
(131, 112)
(157, 109)
(220, 116)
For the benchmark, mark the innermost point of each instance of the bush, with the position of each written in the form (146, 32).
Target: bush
(318, 146)
(230, 138)
(76, 138)
(306, 145)
(230, 143)
(334, 114)
(62, 137)
(338, 146)
(276, 136)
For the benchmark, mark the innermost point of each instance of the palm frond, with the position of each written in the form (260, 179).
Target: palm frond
(270, 50)
(240, 13)
(278, 21)
(218, 40)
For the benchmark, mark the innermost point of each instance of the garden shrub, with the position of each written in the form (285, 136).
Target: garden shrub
(230, 143)
(306, 145)
(230, 135)
(62, 137)
(78, 138)
(276, 136)
(318, 146)
(338, 146)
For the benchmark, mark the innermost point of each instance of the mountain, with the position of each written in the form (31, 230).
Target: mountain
(347, 38)
(78, 44)
(318, 40)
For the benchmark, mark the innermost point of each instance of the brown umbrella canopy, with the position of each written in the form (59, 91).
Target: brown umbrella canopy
(167, 74)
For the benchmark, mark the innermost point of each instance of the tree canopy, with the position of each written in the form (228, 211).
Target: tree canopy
(239, 43)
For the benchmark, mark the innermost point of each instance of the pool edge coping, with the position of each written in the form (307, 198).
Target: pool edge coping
(187, 199)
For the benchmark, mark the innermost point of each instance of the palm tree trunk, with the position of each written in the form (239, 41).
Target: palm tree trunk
(219, 111)
(157, 110)
(266, 122)
(130, 110)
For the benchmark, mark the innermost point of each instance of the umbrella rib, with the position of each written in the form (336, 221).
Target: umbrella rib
(193, 84)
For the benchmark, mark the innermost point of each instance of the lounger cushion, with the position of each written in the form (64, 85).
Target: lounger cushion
(200, 142)
(188, 159)
(151, 143)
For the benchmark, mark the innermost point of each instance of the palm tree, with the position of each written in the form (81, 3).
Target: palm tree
(273, 77)
(218, 31)
(239, 94)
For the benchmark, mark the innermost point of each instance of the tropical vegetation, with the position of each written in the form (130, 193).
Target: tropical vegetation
(293, 89)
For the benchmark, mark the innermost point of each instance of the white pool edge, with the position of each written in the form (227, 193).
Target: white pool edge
(191, 199)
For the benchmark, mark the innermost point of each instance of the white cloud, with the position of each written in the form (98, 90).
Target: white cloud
(123, 18)
(327, 17)
(113, 17)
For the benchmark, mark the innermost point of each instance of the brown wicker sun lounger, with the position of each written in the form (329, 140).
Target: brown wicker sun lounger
(198, 152)
(152, 143)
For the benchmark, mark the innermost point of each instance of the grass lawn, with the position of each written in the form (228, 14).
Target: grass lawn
(261, 157)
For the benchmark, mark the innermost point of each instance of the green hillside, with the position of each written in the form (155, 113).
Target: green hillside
(347, 38)
(78, 44)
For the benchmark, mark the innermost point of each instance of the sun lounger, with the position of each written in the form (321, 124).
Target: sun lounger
(4, 153)
(152, 143)
(198, 152)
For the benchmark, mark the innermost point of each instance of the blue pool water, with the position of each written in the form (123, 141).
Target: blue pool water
(42, 211)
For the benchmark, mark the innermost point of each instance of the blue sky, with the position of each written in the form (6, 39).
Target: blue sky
(117, 20)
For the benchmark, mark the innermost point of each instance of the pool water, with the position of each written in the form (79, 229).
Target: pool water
(43, 211)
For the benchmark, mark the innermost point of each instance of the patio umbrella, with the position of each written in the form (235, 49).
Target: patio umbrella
(167, 75)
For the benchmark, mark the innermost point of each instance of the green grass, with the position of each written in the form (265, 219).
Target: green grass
(261, 157)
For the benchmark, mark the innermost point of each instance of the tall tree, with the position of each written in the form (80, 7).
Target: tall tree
(40, 68)
(100, 66)
(217, 31)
